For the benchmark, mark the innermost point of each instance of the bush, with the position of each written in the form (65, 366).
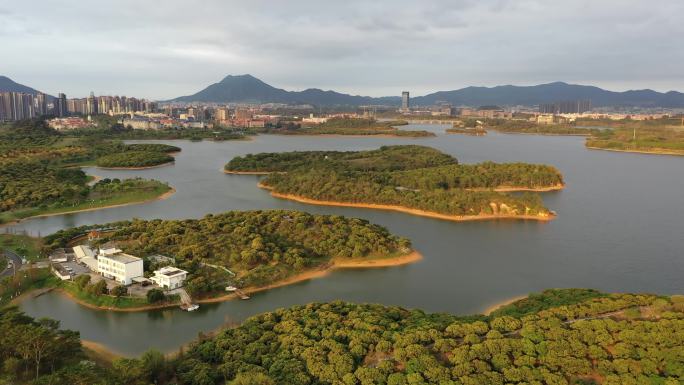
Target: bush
(120, 291)
(155, 295)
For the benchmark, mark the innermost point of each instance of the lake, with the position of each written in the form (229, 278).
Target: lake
(619, 229)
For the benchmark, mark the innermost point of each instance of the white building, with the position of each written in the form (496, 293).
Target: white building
(169, 277)
(121, 267)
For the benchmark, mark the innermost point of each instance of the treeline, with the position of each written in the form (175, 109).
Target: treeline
(260, 246)
(612, 340)
(386, 158)
(527, 127)
(414, 177)
(350, 126)
(134, 159)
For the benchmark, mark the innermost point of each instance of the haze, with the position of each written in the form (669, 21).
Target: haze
(172, 48)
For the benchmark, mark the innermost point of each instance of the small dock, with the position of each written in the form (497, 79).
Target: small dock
(241, 294)
(186, 300)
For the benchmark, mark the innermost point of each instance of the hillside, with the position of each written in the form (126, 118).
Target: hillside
(9, 85)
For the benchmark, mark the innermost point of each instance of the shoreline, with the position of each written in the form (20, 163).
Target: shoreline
(163, 196)
(138, 168)
(318, 272)
(246, 172)
(407, 210)
(356, 135)
(325, 270)
(538, 133)
(491, 308)
(557, 187)
(646, 152)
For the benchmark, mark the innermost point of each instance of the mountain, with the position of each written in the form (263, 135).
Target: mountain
(248, 89)
(552, 92)
(9, 85)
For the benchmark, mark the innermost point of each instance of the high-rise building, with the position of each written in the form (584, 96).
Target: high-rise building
(405, 101)
(40, 104)
(566, 107)
(61, 105)
(16, 106)
(222, 114)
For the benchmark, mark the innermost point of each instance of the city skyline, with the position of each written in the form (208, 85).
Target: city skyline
(374, 49)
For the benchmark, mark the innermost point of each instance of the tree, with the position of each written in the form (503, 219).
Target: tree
(155, 295)
(252, 378)
(120, 291)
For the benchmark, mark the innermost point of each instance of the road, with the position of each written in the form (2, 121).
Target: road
(16, 263)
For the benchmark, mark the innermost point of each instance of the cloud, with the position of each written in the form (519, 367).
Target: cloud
(161, 51)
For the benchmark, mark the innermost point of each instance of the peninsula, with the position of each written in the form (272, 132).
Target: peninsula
(413, 179)
(250, 250)
(351, 127)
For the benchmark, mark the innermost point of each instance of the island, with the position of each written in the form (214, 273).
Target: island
(414, 179)
(350, 126)
(40, 173)
(559, 336)
(472, 131)
(247, 250)
(659, 136)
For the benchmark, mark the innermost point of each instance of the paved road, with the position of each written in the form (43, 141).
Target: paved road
(16, 262)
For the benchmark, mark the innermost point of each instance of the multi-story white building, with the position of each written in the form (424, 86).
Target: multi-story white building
(169, 277)
(121, 267)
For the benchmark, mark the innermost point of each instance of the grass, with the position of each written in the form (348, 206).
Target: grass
(111, 301)
(126, 197)
(24, 245)
(24, 282)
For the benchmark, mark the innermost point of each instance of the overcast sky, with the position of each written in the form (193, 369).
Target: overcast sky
(164, 49)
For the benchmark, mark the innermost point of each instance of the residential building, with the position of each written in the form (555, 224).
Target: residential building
(566, 107)
(314, 120)
(121, 267)
(61, 272)
(169, 277)
(85, 255)
(60, 105)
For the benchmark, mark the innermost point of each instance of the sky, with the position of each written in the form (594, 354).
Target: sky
(165, 49)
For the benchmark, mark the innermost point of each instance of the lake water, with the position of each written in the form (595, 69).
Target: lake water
(619, 229)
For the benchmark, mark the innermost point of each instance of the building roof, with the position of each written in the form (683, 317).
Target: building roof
(170, 271)
(121, 257)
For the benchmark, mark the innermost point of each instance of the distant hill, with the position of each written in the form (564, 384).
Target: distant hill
(9, 85)
(552, 92)
(248, 89)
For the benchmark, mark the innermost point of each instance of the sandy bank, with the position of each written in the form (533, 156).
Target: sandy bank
(98, 351)
(111, 308)
(358, 135)
(557, 187)
(246, 172)
(323, 271)
(648, 152)
(422, 213)
(497, 305)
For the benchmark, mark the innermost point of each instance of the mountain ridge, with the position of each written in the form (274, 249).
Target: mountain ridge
(247, 88)
(9, 85)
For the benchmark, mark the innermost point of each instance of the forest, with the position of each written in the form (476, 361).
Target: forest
(414, 177)
(566, 337)
(38, 172)
(351, 126)
(261, 247)
(132, 159)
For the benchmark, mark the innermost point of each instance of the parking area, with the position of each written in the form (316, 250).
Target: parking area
(74, 268)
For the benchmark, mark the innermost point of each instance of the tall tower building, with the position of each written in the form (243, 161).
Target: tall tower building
(40, 104)
(61, 105)
(405, 101)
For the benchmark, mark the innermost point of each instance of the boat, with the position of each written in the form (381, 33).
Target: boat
(191, 307)
(231, 288)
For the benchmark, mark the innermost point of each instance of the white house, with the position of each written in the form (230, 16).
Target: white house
(119, 266)
(169, 277)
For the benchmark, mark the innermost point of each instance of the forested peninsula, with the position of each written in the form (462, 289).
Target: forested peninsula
(252, 250)
(414, 179)
(560, 337)
(39, 172)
